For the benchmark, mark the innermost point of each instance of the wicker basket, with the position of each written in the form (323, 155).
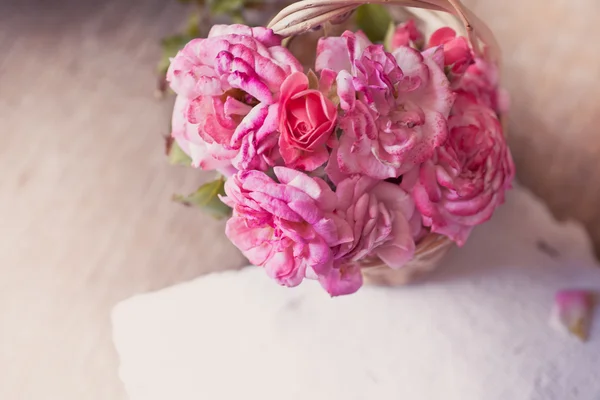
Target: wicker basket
(430, 15)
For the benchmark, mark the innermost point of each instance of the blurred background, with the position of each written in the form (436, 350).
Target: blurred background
(85, 213)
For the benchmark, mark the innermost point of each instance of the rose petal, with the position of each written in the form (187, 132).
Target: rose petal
(346, 279)
(572, 312)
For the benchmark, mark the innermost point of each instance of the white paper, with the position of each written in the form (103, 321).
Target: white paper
(476, 330)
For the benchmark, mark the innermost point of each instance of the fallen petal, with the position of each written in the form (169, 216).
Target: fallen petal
(572, 312)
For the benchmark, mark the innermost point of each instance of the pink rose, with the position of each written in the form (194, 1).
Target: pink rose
(383, 221)
(481, 80)
(405, 34)
(461, 186)
(289, 227)
(306, 122)
(231, 83)
(457, 53)
(395, 106)
(209, 156)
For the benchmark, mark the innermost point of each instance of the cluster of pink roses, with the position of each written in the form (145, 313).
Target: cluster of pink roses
(355, 161)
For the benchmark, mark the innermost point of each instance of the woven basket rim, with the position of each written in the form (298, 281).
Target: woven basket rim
(305, 15)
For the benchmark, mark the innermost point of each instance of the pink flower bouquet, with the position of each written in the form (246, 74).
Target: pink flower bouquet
(360, 158)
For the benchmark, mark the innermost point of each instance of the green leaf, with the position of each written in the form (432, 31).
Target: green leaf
(176, 155)
(192, 29)
(374, 20)
(226, 6)
(207, 199)
(172, 44)
(237, 17)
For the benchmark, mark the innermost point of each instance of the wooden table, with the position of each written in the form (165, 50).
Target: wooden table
(85, 216)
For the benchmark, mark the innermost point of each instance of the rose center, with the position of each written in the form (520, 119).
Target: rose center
(302, 127)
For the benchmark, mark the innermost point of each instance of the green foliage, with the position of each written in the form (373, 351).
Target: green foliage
(172, 44)
(234, 8)
(198, 2)
(176, 155)
(374, 20)
(207, 199)
(219, 7)
(195, 25)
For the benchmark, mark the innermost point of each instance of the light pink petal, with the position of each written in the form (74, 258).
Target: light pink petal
(333, 169)
(251, 241)
(312, 161)
(332, 54)
(405, 34)
(436, 54)
(263, 35)
(307, 210)
(480, 216)
(251, 85)
(410, 62)
(319, 257)
(327, 199)
(251, 122)
(313, 187)
(394, 198)
(371, 166)
(334, 230)
(345, 192)
(346, 159)
(285, 59)
(276, 207)
(346, 279)
(327, 229)
(345, 90)
(442, 97)
(285, 269)
(357, 42)
(572, 312)
(204, 155)
(269, 124)
(416, 226)
(468, 207)
(269, 71)
(401, 249)
(247, 156)
(235, 107)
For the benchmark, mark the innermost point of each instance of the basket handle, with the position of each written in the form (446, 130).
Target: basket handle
(304, 15)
